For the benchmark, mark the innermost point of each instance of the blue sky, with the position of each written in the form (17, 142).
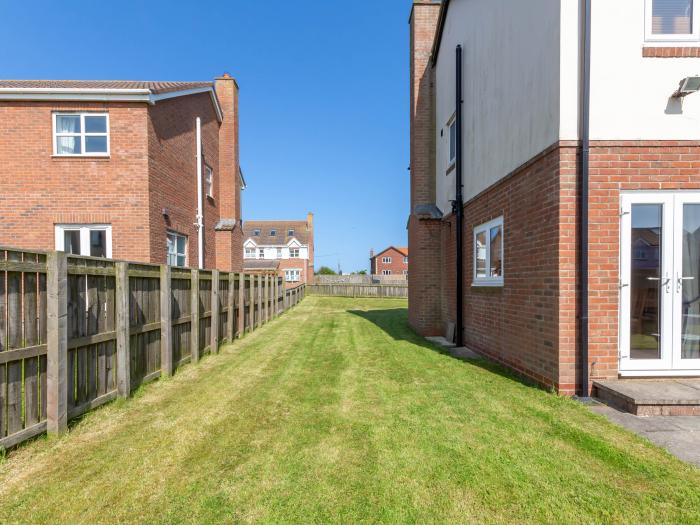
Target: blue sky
(324, 94)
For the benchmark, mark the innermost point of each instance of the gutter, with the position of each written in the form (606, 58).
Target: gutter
(585, 93)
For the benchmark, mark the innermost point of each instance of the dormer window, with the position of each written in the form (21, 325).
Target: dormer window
(290, 233)
(81, 134)
(273, 233)
(256, 233)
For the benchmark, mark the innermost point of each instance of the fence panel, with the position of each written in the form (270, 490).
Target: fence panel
(181, 316)
(144, 323)
(223, 307)
(359, 290)
(204, 312)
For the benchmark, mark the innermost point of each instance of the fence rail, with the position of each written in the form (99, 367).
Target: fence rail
(358, 290)
(76, 332)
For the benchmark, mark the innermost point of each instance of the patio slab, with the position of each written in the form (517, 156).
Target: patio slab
(647, 397)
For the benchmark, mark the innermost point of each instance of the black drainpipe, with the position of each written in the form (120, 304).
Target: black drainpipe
(585, 153)
(459, 200)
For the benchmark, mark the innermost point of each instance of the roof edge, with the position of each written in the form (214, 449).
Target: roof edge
(444, 6)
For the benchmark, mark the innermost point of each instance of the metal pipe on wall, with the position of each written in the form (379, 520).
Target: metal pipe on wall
(459, 200)
(200, 212)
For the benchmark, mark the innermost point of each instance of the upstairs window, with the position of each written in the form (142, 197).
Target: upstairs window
(250, 253)
(273, 233)
(256, 233)
(209, 181)
(261, 253)
(294, 253)
(81, 134)
(488, 254)
(279, 253)
(290, 233)
(386, 260)
(405, 260)
(671, 20)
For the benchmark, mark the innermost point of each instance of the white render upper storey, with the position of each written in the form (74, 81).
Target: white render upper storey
(521, 78)
(292, 250)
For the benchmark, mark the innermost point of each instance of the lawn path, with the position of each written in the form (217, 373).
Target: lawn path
(338, 413)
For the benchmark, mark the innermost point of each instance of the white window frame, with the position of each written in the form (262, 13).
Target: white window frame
(279, 253)
(85, 230)
(177, 254)
(289, 273)
(82, 134)
(261, 253)
(386, 272)
(294, 253)
(386, 260)
(450, 124)
(486, 228)
(249, 253)
(691, 37)
(405, 260)
(290, 232)
(209, 180)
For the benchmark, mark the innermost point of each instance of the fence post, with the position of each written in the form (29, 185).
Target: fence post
(57, 343)
(214, 311)
(166, 325)
(266, 293)
(275, 306)
(121, 308)
(258, 298)
(194, 315)
(241, 304)
(229, 304)
(251, 304)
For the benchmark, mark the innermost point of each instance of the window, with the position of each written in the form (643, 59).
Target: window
(488, 254)
(81, 134)
(405, 272)
(209, 181)
(91, 240)
(453, 139)
(250, 253)
(292, 276)
(256, 233)
(671, 20)
(405, 260)
(290, 233)
(279, 253)
(386, 260)
(261, 253)
(386, 272)
(273, 233)
(294, 253)
(177, 249)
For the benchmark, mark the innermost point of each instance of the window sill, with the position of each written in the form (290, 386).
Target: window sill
(452, 167)
(488, 284)
(78, 157)
(675, 50)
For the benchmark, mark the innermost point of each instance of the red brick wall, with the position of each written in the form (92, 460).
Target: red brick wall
(425, 262)
(173, 174)
(39, 190)
(296, 264)
(397, 266)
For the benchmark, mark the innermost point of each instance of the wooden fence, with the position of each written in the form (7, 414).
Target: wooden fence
(76, 332)
(358, 290)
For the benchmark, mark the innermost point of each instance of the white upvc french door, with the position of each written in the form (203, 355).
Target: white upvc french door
(660, 283)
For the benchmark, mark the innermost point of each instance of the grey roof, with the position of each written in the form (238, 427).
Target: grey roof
(155, 87)
(260, 264)
(301, 229)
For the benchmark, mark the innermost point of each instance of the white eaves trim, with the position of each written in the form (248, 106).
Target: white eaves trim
(104, 95)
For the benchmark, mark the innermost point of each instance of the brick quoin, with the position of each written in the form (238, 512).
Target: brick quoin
(151, 168)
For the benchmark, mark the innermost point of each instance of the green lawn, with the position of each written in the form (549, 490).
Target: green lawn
(337, 413)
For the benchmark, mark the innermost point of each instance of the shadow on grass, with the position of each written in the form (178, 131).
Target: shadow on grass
(394, 322)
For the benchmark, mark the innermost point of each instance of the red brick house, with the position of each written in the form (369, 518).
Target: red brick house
(287, 246)
(575, 198)
(389, 262)
(143, 171)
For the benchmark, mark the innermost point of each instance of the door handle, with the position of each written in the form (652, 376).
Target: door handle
(666, 281)
(679, 281)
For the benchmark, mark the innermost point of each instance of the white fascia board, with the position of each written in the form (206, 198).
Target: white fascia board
(294, 242)
(104, 95)
(250, 243)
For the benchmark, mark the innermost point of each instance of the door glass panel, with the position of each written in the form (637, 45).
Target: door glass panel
(71, 242)
(690, 283)
(646, 281)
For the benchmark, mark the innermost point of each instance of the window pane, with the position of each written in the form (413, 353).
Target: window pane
(181, 260)
(71, 242)
(98, 243)
(95, 144)
(480, 254)
(94, 124)
(496, 256)
(67, 124)
(181, 244)
(672, 17)
(68, 145)
(453, 140)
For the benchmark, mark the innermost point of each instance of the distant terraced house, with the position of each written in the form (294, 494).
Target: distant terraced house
(142, 171)
(284, 246)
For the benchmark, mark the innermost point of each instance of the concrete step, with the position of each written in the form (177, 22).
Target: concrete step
(651, 397)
